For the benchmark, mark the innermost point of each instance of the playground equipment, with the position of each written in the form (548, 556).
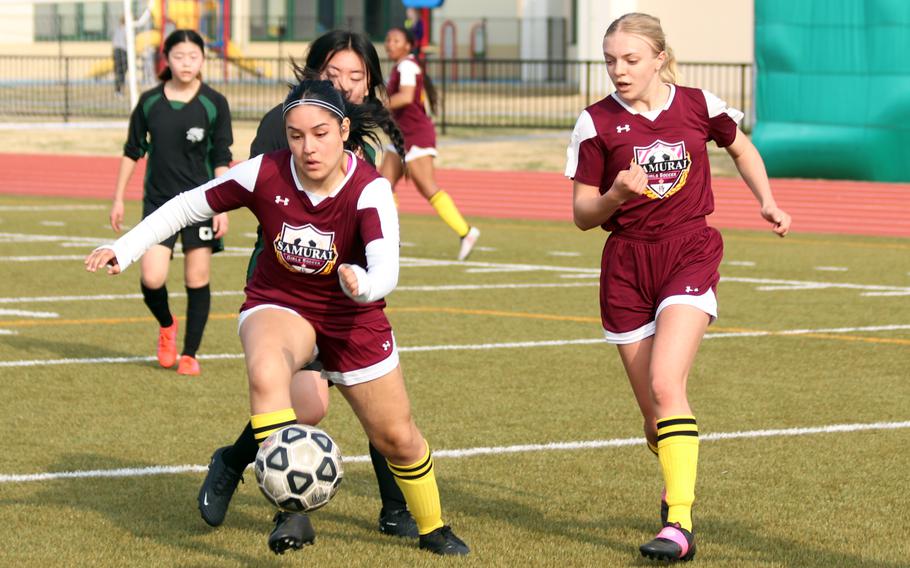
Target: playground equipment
(211, 18)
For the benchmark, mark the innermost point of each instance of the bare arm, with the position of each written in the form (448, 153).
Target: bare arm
(752, 169)
(402, 98)
(127, 166)
(591, 209)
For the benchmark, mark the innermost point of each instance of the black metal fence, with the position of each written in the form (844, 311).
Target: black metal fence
(473, 92)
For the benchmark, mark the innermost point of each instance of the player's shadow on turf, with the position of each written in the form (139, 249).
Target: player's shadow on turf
(71, 349)
(754, 546)
(749, 544)
(157, 507)
(545, 519)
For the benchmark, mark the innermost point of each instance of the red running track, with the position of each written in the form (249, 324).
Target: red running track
(817, 206)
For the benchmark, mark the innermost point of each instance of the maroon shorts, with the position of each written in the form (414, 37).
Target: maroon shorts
(642, 274)
(350, 350)
(353, 353)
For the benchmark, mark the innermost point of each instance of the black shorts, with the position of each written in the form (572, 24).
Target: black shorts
(199, 235)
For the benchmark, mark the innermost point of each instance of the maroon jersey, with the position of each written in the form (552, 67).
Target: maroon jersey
(412, 120)
(669, 144)
(306, 241)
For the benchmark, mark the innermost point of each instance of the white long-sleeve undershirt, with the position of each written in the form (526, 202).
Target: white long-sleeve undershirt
(381, 274)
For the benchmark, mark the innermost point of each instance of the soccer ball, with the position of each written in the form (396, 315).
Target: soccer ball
(298, 468)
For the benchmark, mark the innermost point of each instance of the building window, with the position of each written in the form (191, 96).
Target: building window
(71, 21)
(304, 20)
(380, 15)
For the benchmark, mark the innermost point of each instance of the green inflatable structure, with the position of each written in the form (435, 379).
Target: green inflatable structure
(833, 88)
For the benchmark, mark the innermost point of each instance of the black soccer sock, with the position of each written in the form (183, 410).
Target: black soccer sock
(198, 304)
(389, 492)
(156, 300)
(243, 452)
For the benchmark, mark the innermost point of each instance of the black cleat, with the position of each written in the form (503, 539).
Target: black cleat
(397, 522)
(443, 541)
(292, 530)
(218, 489)
(673, 543)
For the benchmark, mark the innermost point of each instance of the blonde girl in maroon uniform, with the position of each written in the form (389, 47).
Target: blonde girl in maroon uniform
(639, 163)
(408, 90)
(332, 229)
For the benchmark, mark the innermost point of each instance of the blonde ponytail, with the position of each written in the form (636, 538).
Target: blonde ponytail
(669, 73)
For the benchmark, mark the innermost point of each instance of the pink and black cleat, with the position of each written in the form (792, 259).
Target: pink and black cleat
(673, 543)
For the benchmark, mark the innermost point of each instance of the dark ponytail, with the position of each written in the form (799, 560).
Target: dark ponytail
(428, 87)
(368, 117)
(175, 37)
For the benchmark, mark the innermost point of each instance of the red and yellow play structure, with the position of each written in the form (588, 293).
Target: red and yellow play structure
(211, 18)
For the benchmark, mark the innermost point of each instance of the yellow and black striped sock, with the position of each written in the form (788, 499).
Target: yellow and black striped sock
(448, 211)
(677, 449)
(418, 484)
(652, 447)
(265, 424)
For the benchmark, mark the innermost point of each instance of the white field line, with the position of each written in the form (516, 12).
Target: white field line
(30, 238)
(24, 208)
(443, 288)
(117, 125)
(461, 347)
(80, 257)
(882, 294)
(739, 262)
(28, 314)
(772, 284)
(769, 284)
(785, 285)
(478, 451)
(8, 332)
(591, 276)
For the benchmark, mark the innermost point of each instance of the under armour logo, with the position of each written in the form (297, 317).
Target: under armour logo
(691, 289)
(386, 345)
(623, 128)
(280, 200)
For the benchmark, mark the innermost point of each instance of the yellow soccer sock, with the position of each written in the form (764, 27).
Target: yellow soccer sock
(265, 424)
(449, 213)
(677, 447)
(418, 484)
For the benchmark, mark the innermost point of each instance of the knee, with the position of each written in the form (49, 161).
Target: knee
(265, 376)
(666, 391)
(400, 444)
(154, 281)
(311, 411)
(196, 277)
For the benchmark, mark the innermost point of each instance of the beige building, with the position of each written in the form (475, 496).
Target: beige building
(698, 30)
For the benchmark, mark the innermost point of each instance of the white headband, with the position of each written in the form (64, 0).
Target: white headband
(314, 102)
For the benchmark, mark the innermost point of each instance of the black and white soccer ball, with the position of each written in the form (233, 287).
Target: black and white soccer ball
(298, 468)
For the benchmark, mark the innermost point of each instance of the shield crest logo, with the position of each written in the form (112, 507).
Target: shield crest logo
(667, 166)
(306, 249)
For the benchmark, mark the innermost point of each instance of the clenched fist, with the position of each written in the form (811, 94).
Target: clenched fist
(630, 183)
(348, 279)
